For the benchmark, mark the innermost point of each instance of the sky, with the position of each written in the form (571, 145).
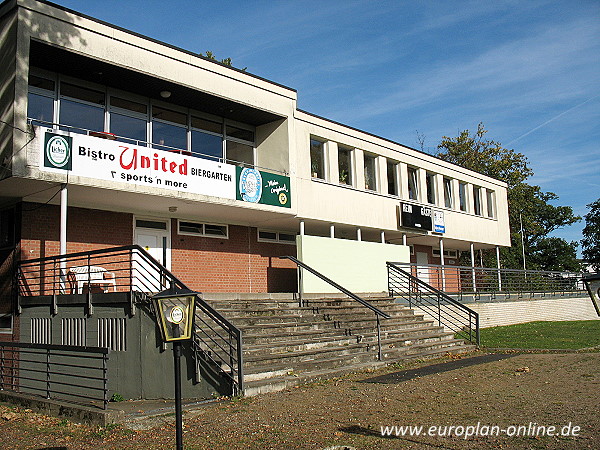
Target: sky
(528, 70)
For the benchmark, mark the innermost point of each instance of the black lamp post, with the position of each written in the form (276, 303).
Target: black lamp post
(592, 283)
(175, 315)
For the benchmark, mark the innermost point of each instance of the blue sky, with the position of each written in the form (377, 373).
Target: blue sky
(529, 70)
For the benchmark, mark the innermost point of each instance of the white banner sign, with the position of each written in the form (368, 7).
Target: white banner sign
(123, 163)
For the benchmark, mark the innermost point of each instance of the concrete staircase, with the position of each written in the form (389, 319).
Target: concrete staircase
(285, 344)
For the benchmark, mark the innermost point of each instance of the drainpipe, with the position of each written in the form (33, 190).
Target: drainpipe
(473, 266)
(63, 236)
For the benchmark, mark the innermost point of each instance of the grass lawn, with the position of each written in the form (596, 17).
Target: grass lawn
(546, 335)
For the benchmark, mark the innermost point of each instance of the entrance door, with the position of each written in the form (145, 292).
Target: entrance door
(153, 236)
(422, 272)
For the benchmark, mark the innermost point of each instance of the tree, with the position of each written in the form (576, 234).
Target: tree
(526, 203)
(591, 235)
(553, 253)
(226, 61)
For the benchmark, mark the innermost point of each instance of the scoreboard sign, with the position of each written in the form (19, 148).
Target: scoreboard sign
(417, 217)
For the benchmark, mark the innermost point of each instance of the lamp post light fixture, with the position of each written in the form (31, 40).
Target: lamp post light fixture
(175, 316)
(592, 283)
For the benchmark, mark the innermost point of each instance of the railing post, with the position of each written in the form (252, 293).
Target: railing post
(105, 379)
(240, 356)
(378, 337)
(300, 288)
(48, 373)
(439, 311)
(2, 368)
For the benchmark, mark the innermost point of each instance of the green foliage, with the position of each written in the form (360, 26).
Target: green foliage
(116, 397)
(591, 235)
(226, 61)
(544, 335)
(526, 203)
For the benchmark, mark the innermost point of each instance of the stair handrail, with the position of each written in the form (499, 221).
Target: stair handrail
(378, 312)
(414, 281)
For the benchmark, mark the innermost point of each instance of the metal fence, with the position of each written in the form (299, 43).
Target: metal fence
(62, 372)
(461, 281)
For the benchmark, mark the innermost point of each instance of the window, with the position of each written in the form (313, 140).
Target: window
(317, 159)
(430, 186)
(168, 129)
(128, 120)
(413, 185)
(276, 236)
(370, 173)
(6, 323)
(81, 108)
(447, 193)
(392, 177)
(156, 225)
(477, 200)
(203, 229)
(345, 165)
(448, 253)
(40, 100)
(207, 138)
(491, 200)
(239, 147)
(462, 196)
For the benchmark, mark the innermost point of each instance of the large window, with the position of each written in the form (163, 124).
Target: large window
(413, 185)
(207, 138)
(40, 101)
(81, 108)
(239, 146)
(128, 120)
(345, 165)
(430, 185)
(392, 177)
(168, 129)
(370, 173)
(317, 159)
(447, 193)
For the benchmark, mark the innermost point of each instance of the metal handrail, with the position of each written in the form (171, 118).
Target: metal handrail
(135, 271)
(47, 361)
(473, 281)
(378, 313)
(448, 312)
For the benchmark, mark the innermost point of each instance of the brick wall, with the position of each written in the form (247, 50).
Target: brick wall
(237, 264)
(87, 229)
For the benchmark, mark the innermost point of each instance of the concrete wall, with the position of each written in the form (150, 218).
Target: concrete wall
(355, 265)
(8, 35)
(495, 314)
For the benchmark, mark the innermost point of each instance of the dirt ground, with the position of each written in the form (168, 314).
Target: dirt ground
(529, 390)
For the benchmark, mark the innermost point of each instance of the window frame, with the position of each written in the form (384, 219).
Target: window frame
(371, 157)
(430, 188)
(477, 201)
(203, 233)
(350, 178)
(462, 196)
(323, 159)
(277, 240)
(413, 194)
(448, 197)
(491, 203)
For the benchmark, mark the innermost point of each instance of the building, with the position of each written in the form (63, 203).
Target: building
(109, 138)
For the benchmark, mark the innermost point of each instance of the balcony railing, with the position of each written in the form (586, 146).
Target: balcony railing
(471, 282)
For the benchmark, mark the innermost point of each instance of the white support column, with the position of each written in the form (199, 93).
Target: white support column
(442, 262)
(302, 228)
(63, 236)
(381, 169)
(473, 266)
(439, 190)
(359, 166)
(422, 186)
(332, 231)
(382, 237)
(403, 180)
(332, 165)
(358, 234)
(403, 238)
(498, 262)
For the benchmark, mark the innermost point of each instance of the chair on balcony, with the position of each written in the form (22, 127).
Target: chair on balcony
(85, 279)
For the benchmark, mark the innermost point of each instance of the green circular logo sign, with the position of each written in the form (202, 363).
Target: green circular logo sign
(58, 151)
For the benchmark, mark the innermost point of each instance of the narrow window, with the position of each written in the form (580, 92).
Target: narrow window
(447, 193)
(462, 196)
(370, 173)
(40, 100)
(169, 129)
(345, 165)
(207, 138)
(317, 159)
(81, 109)
(477, 200)
(392, 178)
(239, 146)
(413, 189)
(491, 207)
(430, 185)
(128, 120)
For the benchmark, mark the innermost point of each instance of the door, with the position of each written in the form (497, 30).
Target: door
(422, 269)
(153, 236)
